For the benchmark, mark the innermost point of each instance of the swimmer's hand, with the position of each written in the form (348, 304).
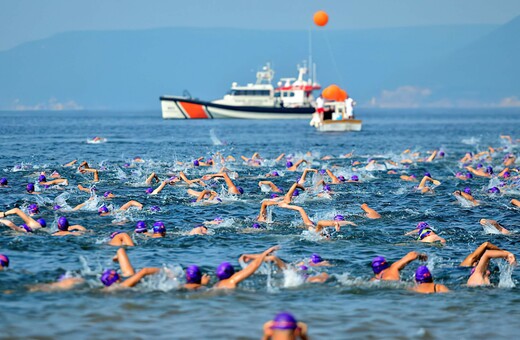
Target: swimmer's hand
(422, 257)
(205, 279)
(511, 259)
(271, 250)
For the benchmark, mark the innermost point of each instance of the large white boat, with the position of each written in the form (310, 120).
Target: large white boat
(291, 99)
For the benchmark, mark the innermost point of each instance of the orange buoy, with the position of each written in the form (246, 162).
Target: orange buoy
(321, 18)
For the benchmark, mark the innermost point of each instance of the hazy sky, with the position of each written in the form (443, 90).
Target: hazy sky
(26, 20)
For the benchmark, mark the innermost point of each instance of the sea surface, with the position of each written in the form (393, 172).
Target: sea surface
(347, 306)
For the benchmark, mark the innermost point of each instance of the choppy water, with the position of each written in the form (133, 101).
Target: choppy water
(346, 306)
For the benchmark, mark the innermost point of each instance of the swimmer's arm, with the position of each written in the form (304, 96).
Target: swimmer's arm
(77, 227)
(131, 203)
(82, 188)
(332, 176)
(244, 158)
(271, 258)
(150, 178)
(304, 175)
(501, 174)
(288, 197)
(124, 262)
(12, 226)
(159, 188)
(477, 254)
(252, 267)
(494, 254)
(202, 194)
(411, 256)
(302, 327)
(415, 231)
(134, 279)
(71, 163)
(279, 158)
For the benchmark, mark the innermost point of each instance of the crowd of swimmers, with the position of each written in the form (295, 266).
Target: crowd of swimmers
(284, 326)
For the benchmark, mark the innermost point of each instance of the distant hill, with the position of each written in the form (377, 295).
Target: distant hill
(131, 69)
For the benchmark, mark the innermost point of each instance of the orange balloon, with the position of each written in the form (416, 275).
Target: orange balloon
(343, 95)
(321, 18)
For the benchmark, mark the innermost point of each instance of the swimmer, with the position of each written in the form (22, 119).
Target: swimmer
(151, 191)
(205, 195)
(227, 277)
(42, 180)
(65, 229)
(271, 185)
(293, 167)
(465, 196)
(273, 173)
(29, 225)
(200, 230)
(411, 178)
(496, 225)
(509, 160)
(284, 327)
(316, 261)
(426, 234)
(104, 211)
(370, 213)
(118, 238)
(4, 261)
(232, 188)
(3, 182)
(159, 230)
(110, 277)
(335, 180)
(195, 279)
(64, 282)
(337, 223)
(424, 188)
(84, 167)
(424, 282)
(31, 189)
(391, 272)
(216, 220)
(480, 172)
(480, 273)
(108, 195)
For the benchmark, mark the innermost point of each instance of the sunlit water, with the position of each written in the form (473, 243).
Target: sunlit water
(346, 306)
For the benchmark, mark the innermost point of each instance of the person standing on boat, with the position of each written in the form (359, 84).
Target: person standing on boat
(317, 117)
(349, 103)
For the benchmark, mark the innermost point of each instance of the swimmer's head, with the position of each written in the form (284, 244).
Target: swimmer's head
(140, 227)
(315, 258)
(467, 190)
(458, 174)
(42, 222)
(57, 207)
(102, 210)
(27, 228)
(275, 174)
(494, 190)
(422, 225)
(489, 170)
(479, 165)
(288, 164)
(469, 175)
(109, 277)
(218, 219)
(4, 261)
(3, 181)
(30, 187)
(303, 267)
(107, 193)
(42, 178)
(155, 208)
(296, 192)
(284, 321)
(423, 275)
(323, 171)
(193, 274)
(225, 270)
(354, 178)
(256, 226)
(149, 190)
(339, 218)
(274, 196)
(196, 162)
(326, 187)
(413, 176)
(63, 223)
(506, 174)
(240, 190)
(33, 209)
(379, 264)
(423, 233)
(342, 178)
(427, 174)
(159, 228)
(441, 154)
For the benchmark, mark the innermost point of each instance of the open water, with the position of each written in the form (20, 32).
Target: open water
(346, 306)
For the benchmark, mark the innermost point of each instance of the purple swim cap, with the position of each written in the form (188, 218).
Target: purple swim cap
(218, 219)
(159, 228)
(3, 181)
(173, 178)
(296, 192)
(114, 234)
(274, 196)
(4, 260)
(479, 165)
(57, 207)
(33, 209)
(149, 190)
(506, 174)
(288, 164)
(379, 264)
(140, 227)
(196, 162)
(494, 190)
(413, 176)
(489, 170)
(354, 178)
(30, 187)
(225, 270)
(27, 228)
(275, 173)
(193, 274)
(42, 222)
(422, 225)
(458, 174)
(342, 178)
(284, 321)
(63, 223)
(240, 190)
(326, 187)
(102, 209)
(423, 275)
(304, 267)
(42, 178)
(427, 174)
(469, 175)
(339, 218)
(467, 190)
(256, 226)
(155, 208)
(315, 258)
(322, 171)
(441, 153)
(109, 277)
(107, 193)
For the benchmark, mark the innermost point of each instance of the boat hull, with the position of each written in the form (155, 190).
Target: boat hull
(340, 125)
(186, 108)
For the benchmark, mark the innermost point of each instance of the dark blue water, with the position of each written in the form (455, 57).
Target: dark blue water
(346, 306)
